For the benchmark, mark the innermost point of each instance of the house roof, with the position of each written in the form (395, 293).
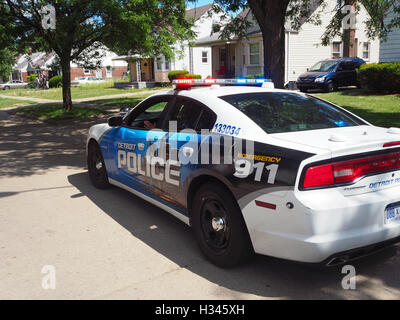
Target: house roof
(198, 12)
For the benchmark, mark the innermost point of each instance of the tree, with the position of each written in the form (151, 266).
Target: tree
(145, 27)
(7, 51)
(271, 16)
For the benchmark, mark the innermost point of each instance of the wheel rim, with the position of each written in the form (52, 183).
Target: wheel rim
(96, 164)
(214, 224)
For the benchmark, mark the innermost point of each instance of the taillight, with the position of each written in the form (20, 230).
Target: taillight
(319, 176)
(348, 171)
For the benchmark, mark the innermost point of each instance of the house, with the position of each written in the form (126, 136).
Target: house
(390, 49)
(196, 60)
(42, 63)
(303, 47)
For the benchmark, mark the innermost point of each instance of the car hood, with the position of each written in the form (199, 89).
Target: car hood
(342, 141)
(313, 75)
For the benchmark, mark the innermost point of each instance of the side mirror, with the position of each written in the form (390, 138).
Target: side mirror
(124, 110)
(115, 121)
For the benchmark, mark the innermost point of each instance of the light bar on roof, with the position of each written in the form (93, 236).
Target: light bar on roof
(187, 83)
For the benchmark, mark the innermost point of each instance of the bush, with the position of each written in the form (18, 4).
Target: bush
(31, 79)
(193, 76)
(172, 75)
(380, 77)
(55, 82)
(255, 76)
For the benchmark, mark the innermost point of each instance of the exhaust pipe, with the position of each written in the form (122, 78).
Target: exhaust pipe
(337, 261)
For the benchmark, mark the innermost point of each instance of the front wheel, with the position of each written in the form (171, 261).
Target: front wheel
(219, 227)
(330, 86)
(97, 167)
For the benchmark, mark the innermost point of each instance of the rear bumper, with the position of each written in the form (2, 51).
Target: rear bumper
(337, 226)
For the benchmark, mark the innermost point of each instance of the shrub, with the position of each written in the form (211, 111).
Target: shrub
(55, 82)
(172, 75)
(380, 77)
(255, 76)
(193, 76)
(31, 79)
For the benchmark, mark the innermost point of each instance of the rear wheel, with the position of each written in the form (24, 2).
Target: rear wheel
(219, 227)
(96, 167)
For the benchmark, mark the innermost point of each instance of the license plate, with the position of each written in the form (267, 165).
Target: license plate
(392, 213)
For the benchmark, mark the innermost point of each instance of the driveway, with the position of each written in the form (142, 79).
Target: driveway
(112, 245)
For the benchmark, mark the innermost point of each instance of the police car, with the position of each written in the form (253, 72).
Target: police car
(253, 169)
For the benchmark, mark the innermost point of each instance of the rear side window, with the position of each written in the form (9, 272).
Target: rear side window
(277, 112)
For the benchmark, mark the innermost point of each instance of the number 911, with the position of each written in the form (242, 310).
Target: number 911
(244, 168)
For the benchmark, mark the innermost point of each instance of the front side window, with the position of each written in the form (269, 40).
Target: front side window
(288, 112)
(254, 49)
(149, 116)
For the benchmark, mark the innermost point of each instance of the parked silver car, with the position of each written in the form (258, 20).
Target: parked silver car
(13, 84)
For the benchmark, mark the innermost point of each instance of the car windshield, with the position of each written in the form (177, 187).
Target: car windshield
(277, 112)
(324, 66)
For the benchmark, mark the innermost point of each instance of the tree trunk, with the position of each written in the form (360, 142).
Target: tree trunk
(270, 16)
(349, 36)
(66, 82)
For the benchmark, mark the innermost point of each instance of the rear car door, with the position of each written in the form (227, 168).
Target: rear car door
(185, 123)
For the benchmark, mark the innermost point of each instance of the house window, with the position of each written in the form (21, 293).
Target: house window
(167, 65)
(222, 56)
(204, 56)
(159, 64)
(336, 50)
(366, 50)
(162, 64)
(87, 71)
(254, 49)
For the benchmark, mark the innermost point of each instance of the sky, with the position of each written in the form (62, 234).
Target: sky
(199, 3)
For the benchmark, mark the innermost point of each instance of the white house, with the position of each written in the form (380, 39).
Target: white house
(196, 60)
(390, 50)
(303, 47)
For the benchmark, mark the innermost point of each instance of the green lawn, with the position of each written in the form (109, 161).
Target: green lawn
(380, 110)
(57, 112)
(121, 102)
(84, 91)
(8, 103)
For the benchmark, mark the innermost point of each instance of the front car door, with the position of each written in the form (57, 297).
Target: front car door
(127, 158)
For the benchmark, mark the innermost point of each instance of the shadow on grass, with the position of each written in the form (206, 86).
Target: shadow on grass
(380, 119)
(120, 102)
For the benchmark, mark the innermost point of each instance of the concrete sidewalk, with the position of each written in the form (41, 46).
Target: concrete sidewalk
(109, 244)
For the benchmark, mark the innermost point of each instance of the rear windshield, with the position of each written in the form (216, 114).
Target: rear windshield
(277, 112)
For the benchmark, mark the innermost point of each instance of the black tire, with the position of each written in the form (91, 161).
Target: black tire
(330, 86)
(214, 208)
(96, 167)
(303, 90)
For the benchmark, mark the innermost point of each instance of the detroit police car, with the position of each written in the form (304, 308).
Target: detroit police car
(255, 169)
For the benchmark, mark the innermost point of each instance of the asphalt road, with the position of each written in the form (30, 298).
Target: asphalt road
(113, 245)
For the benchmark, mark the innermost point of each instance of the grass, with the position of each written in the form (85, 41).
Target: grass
(8, 103)
(380, 110)
(57, 112)
(121, 102)
(80, 92)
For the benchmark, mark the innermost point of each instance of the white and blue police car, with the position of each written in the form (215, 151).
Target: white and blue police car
(253, 169)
